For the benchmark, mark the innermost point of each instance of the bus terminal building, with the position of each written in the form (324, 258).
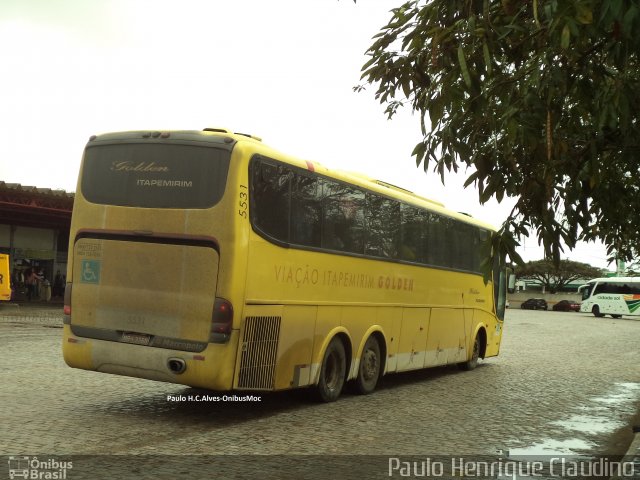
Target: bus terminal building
(34, 231)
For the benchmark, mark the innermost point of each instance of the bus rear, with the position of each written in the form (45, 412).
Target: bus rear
(148, 290)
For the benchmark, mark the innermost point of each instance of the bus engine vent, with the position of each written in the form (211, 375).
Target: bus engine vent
(259, 353)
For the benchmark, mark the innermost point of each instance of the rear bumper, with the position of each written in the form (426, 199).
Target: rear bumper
(212, 368)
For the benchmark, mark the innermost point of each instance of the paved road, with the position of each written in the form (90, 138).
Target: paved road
(563, 383)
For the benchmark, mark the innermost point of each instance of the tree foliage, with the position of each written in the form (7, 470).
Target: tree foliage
(633, 270)
(554, 277)
(539, 100)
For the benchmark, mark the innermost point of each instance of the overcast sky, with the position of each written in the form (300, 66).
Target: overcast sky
(282, 69)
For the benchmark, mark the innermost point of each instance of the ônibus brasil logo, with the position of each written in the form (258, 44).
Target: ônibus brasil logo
(34, 468)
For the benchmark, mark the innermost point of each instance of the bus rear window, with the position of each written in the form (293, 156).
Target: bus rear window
(155, 175)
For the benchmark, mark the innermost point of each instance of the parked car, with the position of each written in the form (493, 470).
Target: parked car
(567, 306)
(535, 304)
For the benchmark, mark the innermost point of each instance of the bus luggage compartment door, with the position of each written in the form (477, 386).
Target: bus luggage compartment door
(154, 293)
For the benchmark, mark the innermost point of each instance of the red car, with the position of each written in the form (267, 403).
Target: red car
(566, 306)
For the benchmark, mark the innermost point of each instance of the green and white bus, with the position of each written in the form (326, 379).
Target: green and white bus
(615, 296)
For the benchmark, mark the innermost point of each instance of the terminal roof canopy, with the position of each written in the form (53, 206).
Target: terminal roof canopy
(35, 207)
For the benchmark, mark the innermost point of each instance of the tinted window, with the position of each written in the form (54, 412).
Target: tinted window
(298, 207)
(617, 287)
(306, 210)
(343, 218)
(603, 288)
(383, 226)
(461, 244)
(413, 245)
(479, 238)
(155, 175)
(270, 190)
(439, 249)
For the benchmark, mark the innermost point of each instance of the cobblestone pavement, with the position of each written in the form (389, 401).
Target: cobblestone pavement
(563, 383)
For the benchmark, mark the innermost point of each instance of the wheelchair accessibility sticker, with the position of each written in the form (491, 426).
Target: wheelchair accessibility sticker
(90, 271)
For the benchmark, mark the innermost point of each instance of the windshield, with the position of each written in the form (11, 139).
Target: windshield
(155, 175)
(586, 291)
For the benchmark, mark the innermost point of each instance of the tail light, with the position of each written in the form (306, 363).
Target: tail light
(67, 304)
(221, 321)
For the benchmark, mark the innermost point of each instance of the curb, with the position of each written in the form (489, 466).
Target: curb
(632, 455)
(634, 448)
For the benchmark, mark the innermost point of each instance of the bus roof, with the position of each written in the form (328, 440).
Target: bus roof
(363, 181)
(616, 279)
(218, 135)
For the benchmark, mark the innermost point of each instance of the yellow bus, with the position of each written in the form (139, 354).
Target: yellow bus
(5, 278)
(208, 259)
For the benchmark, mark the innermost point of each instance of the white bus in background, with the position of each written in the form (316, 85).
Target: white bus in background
(615, 296)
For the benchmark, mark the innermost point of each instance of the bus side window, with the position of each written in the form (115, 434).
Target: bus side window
(383, 222)
(271, 195)
(479, 238)
(461, 245)
(413, 243)
(343, 218)
(604, 287)
(306, 211)
(439, 252)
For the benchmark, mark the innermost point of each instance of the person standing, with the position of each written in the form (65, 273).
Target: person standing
(58, 285)
(29, 280)
(38, 283)
(33, 280)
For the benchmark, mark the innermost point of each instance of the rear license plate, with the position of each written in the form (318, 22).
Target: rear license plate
(137, 338)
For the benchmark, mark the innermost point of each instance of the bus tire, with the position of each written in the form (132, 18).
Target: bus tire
(332, 372)
(596, 311)
(475, 355)
(369, 369)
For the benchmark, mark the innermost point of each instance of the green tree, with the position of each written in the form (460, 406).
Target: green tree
(555, 277)
(539, 100)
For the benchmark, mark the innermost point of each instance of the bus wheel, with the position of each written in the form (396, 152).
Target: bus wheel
(332, 372)
(473, 361)
(596, 311)
(369, 370)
